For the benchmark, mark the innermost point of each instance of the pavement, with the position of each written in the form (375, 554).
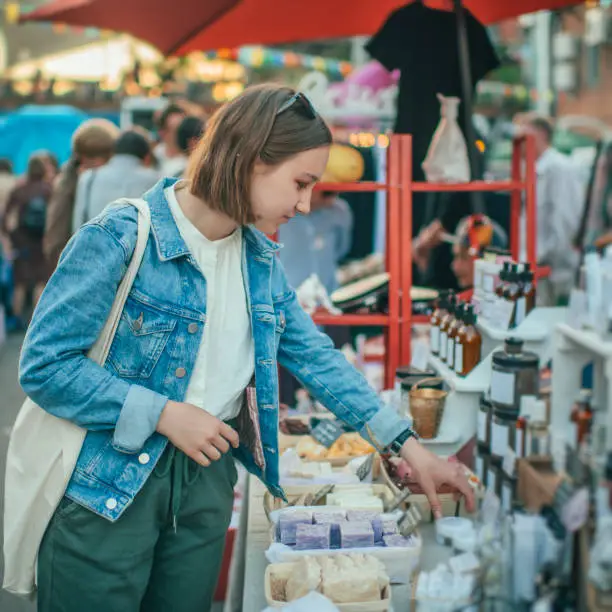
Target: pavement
(11, 398)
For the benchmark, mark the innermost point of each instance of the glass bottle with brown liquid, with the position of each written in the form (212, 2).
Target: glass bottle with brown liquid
(436, 318)
(468, 344)
(503, 280)
(445, 322)
(529, 289)
(452, 332)
(512, 292)
(582, 416)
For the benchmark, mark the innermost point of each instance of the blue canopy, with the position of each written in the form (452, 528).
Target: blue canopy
(32, 128)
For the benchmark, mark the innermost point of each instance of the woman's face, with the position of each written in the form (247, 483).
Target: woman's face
(280, 192)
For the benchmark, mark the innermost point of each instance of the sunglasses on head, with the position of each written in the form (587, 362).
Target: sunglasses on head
(302, 104)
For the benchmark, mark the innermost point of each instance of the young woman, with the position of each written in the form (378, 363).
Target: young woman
(191, 379)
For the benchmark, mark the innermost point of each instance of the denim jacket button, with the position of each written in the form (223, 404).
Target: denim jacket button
(193, 328)
(144, 458)
(180, 372)
(111, 503)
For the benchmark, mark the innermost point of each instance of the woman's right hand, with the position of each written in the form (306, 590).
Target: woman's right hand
(200, 435)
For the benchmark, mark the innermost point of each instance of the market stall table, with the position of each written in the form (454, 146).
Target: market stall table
(246, 590)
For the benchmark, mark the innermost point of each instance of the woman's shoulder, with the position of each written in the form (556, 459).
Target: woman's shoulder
(120, 220)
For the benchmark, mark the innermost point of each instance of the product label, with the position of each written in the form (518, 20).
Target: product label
(443, 344)
(491, 480)
(458, 365)
(521, 304)
(488, 283)
(506, 498)
(502, 387)
(482, 426)
(450, 352)
(520, 437)
(503, 311)
(509, 463)
(479, 467)
(434, 338)
(499, 439)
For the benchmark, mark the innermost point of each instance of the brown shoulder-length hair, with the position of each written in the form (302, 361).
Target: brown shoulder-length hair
(247, 130)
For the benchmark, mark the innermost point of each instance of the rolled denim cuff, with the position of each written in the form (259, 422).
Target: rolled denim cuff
(138, 419)
(384, 427)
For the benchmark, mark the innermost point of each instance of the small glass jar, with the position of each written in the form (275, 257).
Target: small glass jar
(484, 423)
(481, 463)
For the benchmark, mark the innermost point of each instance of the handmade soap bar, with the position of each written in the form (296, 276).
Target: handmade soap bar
(357, 534)
(334, 520)
(384, 526)
(362, 515)
(313, 537)
(288, 523)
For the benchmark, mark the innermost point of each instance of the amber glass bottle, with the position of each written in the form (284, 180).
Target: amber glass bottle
(451, 334)
(468, 344)
(435, 320)
(445, 322)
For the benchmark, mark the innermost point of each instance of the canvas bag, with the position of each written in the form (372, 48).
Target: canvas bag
(43, 449)
(447, 157)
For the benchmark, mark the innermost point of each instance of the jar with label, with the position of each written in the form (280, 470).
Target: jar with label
(445, 323)
(503, 433)
(508, 491)
(515, 374)
(468, 344)
(451, 334)
(485, 413)
(481, 463)
(538, 436)
(494, 473)
(436, 318)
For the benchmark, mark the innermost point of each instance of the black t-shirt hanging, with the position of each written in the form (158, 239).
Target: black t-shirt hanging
(423, 43)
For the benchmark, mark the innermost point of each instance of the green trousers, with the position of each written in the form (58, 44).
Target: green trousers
(162, 555)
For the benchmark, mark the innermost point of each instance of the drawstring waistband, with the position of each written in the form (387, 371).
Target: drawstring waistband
(183, 471)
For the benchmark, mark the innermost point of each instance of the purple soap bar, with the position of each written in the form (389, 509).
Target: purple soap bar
(288, 523)
(398, 540)
(384, 527)
(329, 518)
(362, 515)
(358, 534)
(313, 537)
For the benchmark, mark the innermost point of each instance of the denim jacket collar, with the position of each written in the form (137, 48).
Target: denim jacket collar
(170, 243)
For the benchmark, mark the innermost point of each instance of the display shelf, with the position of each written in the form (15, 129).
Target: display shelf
(535, 332)
(356, 320)
(477, 381)
(573, 349)
(472, 186)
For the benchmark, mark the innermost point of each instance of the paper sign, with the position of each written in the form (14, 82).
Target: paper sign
(420, 355)
(365, 468)
(509, 463)
(327, 432)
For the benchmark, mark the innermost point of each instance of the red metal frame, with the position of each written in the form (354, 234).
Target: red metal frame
(397, 324)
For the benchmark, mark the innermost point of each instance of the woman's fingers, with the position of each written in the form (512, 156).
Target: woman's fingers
(211, 452)
(220, 443)
(229, 434)
(199, 458)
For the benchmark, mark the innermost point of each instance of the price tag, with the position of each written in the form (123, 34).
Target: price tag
(327, 432)
(509, 463)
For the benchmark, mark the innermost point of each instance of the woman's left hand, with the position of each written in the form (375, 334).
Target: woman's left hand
(431, 472)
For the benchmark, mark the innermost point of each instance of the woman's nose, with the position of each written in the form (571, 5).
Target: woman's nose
(303, 206)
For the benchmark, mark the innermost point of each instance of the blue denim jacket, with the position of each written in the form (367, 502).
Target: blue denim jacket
(155, 347)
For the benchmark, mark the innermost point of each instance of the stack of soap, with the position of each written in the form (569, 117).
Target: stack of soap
(313, 537)
(288, 523)
(334, 519)
(357, 534)
(384, 526)
(362, 515)
(357, 498)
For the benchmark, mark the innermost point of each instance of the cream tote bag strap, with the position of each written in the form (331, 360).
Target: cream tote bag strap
(43, 449)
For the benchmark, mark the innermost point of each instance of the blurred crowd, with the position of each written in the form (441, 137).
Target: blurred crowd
(42, 209)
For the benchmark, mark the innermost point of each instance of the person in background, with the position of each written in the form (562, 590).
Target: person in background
(7, 184)
(27, 205)
(599, 221)
(560, 193)
(126, 175)
(92, 146)
(52, 164)
(188, 135)
(167, 152)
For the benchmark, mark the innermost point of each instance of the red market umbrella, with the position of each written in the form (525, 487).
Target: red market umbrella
(268, 22)
(166, 24)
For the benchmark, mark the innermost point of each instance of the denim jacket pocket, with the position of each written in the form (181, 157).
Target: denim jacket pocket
(141, 337)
